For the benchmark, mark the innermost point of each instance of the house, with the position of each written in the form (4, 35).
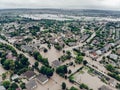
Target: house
(98, 52)
(113, 56)
(112, 82)
(93, 55)
(42, 79)
(106, 48)
(104, 88)
(117, 42)
(15, 76)
(71, 43)
(31, 85)
(10, 56)
(27, 48)
(118, 51)
(29, 74)
(2, 88)
(56, 63)
(85, 37)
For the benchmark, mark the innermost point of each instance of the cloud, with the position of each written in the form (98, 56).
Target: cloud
(72, 4)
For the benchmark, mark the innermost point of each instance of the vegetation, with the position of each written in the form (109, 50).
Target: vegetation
(46, 71)
(39, 58)
(6, 84)
(73, 88)
(84, 86)
(63, 85)
(61, 70)
(58, 47)
(79, 59)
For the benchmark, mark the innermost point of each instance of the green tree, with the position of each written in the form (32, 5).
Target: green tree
(79, 59)
(9, 64)
(36, 64)
(110, 68)
(73, 88)
(3, 76)
(6, 84)
(63, 85)
(83, 86)
(61, 70)
(13, 86)
(46, 71)
(22, 85)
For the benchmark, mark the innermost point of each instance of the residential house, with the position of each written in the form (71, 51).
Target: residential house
(29, 75)
(15, 76)
(106, 48)
(42, 79)
(2, 88)
(118, 52)
(104, 88)
(113, 56)
(31, 85)
(98, 52)
(27, 48)
(112, 82)
(56, 63)
(10, 56)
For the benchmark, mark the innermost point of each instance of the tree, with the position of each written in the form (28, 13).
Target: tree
(83, 86)
(61, 70)
(46, 71)
(6, 84)
(63, 85)
(22, 85)
(79, 59)
(9, 64)
(71, 79)
(3, 76)
(73, 88)
(45, 50)
(36, 64)
(39, 58)
(110, 68)
(13, 86)
(24, 61)
(118, 86)
(85, 62)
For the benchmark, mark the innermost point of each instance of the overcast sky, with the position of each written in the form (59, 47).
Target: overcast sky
(64, 4)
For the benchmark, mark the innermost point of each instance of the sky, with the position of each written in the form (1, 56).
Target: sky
(62, 4)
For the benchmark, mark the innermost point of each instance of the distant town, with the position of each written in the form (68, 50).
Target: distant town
(55, 49)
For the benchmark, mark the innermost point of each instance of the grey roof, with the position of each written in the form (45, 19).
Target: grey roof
(42, 78)
(2, 88)
(31, 85)
(29, 74)
(104, 88)
(56, 63)
(113, 56)
(27, 48)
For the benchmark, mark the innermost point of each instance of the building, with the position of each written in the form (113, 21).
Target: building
(112, 82)
(56, 63)
(104, 88)
(29, 75)
(27, 48)
(31, 85)
(2, 88)
(42, 79)
(113, 56)
(98, 52)
(15, 76)
(118, 51)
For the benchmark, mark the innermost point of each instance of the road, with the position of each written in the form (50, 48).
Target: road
(92, 36)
